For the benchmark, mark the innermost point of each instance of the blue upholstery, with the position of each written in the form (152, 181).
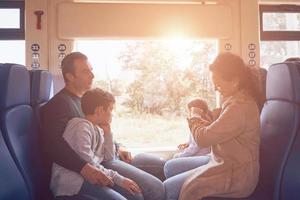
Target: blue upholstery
(19, 128)
(11, 76)
(290, 183)
(41, 90)
(280, 141)
(12, 185)
(41, 86)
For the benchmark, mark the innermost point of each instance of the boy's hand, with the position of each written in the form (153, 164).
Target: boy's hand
(131, 186)
(106, 128)
(125, 155)
(183, 146)
(93, 175)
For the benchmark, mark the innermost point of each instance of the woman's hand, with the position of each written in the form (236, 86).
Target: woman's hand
(216, 113)
(131, 186)
(196, 122)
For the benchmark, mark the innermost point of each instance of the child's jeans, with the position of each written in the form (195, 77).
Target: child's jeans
(107, 193)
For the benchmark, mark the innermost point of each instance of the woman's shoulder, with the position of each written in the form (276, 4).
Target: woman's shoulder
(242, 100)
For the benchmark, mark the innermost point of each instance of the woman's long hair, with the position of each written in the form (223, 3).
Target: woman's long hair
(231, 66)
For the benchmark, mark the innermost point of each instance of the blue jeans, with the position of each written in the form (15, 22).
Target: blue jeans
(176, 172)
(152, 188)
(178, 165)
(150, 163)
(105, 193)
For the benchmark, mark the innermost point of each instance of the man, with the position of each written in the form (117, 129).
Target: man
(65, 105)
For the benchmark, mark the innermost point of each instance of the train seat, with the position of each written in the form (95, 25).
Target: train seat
(19, 128)
(41, 89)
(12, 184)
(280, 138)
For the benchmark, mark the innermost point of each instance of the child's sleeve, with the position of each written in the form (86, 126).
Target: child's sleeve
(115, 176)
(109, 147)
(80, 140)
(191, 150)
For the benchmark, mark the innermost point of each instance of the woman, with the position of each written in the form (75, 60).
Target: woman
(233, 137)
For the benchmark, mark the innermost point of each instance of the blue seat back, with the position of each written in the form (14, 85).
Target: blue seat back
(19, 128)
(12, 185)
(279, 124)
(290, 183)
(41, 90)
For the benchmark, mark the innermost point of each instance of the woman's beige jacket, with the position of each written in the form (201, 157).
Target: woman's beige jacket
(234, 139)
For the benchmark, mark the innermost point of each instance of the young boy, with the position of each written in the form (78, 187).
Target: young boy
(197, 108)
(94, 145)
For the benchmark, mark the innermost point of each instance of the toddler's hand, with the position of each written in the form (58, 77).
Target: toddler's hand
(183, 146)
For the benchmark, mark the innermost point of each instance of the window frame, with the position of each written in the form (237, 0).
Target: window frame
(278, 35)
(14, 33)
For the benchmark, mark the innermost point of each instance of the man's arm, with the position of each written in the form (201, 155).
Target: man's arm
(54, 121)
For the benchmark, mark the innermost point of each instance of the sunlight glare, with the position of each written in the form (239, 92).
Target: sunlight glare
(180, 45)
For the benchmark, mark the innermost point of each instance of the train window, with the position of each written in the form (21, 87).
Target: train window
(12, 36)
(280, 33)
(279, 22)
(277, 51)
(12, 51)
(12, 28)
(12, 16)
(152, 82)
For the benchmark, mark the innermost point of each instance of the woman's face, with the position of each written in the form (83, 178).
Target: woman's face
(226, 88)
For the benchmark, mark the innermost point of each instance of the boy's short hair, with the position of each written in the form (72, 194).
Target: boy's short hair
(94, 98)
(67, 64)
(198, 103)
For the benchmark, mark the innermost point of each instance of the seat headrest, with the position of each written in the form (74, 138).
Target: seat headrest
(283, 82)
(15, 85)
(41, 86)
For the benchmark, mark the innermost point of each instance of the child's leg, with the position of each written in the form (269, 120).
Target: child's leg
(179, 165)
(151, 186)
(100, 193)
(150, 163)
(127, 194)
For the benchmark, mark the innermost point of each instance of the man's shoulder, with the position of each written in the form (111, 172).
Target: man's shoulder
(60, 98)
(58, 102)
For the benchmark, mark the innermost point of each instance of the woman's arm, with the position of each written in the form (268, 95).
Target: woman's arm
(228, 125)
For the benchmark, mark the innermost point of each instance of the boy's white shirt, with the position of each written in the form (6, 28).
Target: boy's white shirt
(92, 145)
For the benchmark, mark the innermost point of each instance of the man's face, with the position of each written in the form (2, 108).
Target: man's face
(82, 78)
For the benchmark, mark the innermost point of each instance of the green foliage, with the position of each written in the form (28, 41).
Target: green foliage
(162, 86)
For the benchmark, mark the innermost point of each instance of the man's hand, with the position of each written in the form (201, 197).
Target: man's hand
(131, 186)
(125, 155)
(183, 146)
(93, 175)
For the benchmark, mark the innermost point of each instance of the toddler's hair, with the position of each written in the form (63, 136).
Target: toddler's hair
(198, 103)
